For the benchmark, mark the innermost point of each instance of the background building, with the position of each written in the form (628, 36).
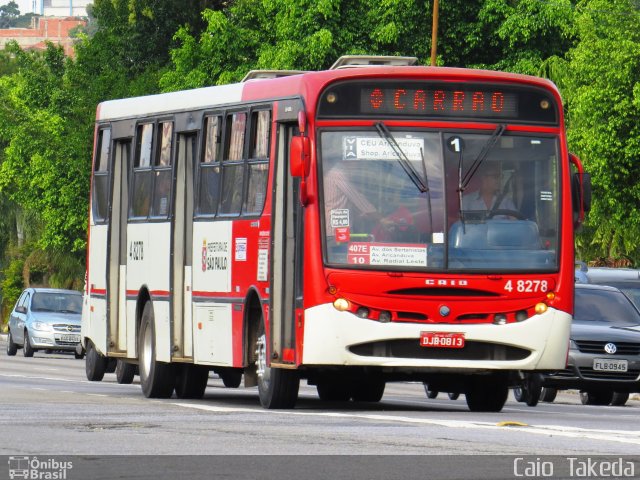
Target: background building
(54, 30)
(61, 8)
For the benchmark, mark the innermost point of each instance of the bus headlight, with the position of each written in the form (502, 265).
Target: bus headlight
(540, 308)
(341, 304)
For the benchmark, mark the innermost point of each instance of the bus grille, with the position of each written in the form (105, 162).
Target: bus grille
(412, 349)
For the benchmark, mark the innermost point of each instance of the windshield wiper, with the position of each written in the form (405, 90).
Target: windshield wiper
(384, 132)
(497, 133)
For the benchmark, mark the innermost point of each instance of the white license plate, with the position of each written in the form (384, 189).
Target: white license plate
(610, 365)
(70, 338)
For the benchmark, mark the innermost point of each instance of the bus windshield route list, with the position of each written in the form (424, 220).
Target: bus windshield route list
(387, 254)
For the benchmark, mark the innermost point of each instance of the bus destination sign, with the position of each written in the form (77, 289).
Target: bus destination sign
(439, 100)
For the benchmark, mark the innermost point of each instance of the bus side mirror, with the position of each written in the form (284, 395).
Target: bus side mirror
(299, 156)
(580, 191)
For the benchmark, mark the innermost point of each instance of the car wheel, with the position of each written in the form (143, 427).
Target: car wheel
(277, 387)
(95, 364)
(518, 394)
(598, 397)
(78, 356)
(619, 399)
(125, 372)
(27, 349)
(453, 395)
(430, 393)
(157, 379)
(12, 348)
(548, 394)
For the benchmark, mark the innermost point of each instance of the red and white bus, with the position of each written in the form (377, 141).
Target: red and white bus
(326, 226)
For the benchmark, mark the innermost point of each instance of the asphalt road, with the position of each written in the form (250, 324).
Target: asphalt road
(49, 408)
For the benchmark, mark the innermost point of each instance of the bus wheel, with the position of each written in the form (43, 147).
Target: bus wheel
(191, 381)
(333, 390)
(430, 393)
(95, 364)
(157, 379)
(368, 391)
(125, 372)
(487, 394)
(230, 378)
(277, 388)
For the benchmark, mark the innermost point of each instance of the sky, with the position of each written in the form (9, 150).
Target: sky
(24, 5)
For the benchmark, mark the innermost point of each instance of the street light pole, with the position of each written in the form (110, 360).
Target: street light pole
(434, 33)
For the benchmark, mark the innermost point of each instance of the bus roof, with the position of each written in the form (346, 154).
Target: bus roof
(292, 86)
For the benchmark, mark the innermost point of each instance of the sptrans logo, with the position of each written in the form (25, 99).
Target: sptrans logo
(37, 469)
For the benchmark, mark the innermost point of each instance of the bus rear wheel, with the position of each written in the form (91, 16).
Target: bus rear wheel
(277, 387)
(487, 394)
(95, 364)
(157, 379)
(368, 390)
(125, 372)
(191, 381)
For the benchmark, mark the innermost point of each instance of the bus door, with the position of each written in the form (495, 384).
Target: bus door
(286, 258)
(181, 248)
(117, 251)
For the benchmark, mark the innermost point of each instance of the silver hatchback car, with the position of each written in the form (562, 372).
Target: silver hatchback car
(45, 319)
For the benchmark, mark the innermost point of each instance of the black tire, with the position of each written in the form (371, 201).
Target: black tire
(533, 389)
(333, 390)
(12, 348)
(78, 356)
(368, 390)
(619, 399)
(453, 395)
(125, 372)
(27, 349)
(191, 380)
(95, 364)
(548, 394)
(430, 393)
(231, 378)
(597, 397)
(519, 394)
(157, 379)
(277, 387)
(487, 394)
(111, 365)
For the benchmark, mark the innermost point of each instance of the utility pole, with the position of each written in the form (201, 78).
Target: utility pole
(434, 33)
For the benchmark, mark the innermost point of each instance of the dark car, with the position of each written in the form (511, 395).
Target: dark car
(604, 352)
(45, 319)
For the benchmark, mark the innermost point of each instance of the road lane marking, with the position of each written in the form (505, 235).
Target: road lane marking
(630, 437)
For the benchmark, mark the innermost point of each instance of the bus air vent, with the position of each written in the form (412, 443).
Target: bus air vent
(263, 74)
(443, 292)
(347, 61)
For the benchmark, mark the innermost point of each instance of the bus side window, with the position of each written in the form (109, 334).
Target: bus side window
(233, 164)
(142, 173)
(258, 168)
(101, 177)
(162, 167)
(210, 167)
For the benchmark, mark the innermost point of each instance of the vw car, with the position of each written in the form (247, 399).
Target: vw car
(45, 319)
(604, 352)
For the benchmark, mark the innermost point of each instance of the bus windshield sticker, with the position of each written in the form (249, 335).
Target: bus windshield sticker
(241, 249)
(339, 217)
(376, 148)
(438, 237)
(343, 234)
(401, 255)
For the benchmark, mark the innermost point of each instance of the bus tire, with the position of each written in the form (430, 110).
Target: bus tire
(95, 364)
(487, 394)
(157, 379)
(333, 390)
(430, 393)
(191, 380)
(277, 387)
(231, 378)
(370, 390)
(125, 372)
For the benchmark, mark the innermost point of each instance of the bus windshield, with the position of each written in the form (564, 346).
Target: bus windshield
(440, 200)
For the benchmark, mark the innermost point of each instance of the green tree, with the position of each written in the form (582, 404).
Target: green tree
(9, 14)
